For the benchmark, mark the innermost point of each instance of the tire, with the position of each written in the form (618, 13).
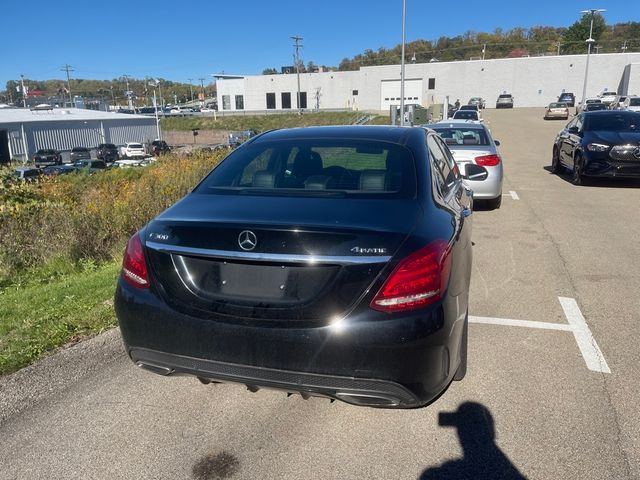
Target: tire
(577, 178)
(556, 165)
(494, 203)
(461, 372)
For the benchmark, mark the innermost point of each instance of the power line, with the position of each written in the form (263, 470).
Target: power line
(67, 68)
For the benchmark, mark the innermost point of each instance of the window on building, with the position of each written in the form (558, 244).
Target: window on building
(354, 93)
(271, 101)
(303, 99)
(286, 99)
(432, 83)
(226, 102)
(239, 102)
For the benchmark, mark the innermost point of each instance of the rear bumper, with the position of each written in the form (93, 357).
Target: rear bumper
(550, 115)
(373, 359)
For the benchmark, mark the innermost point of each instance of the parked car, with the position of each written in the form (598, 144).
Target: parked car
(618, 103)
(474, 108)
(582, 106)
(27, 174)
(58, 169)
(107, 152)
(479, 101)
(608, 97)
(90, 166)
(505, 100)
(159, 147)
(568, 98)
(133, 150)
(330, 261)
(599, 144)
(472, 143)
(80, 153)
(557, 110)
(468, 115)
(594, 107)
(632, 103)
(47, 156)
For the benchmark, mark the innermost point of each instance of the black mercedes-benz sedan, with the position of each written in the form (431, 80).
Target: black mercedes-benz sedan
(599, 144)
(325, 261)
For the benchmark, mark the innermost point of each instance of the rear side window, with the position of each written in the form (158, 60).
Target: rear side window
(342, 167)
(634, 102)
(442, 164)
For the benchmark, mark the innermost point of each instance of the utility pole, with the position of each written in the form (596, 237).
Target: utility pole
(67, 68)
(296, 58)
(128, 92)
(204, 96)
(404, 18)
(484, 49)
(558, 45)
(191, 87)
(24, 93)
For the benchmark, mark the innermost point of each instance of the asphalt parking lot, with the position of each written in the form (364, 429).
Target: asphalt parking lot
(552, 389)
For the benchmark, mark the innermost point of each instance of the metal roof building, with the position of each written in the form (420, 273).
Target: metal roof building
(23, 131)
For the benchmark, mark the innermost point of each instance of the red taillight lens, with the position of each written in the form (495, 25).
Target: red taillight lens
(417, 281)
(134, 268)
(488, 160)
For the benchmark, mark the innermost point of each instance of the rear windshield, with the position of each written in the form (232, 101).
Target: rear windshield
(627, 122)
(466, 115)
(506, 95)
(46, 152)
(109, 146)
(326, 167)
(79, 149)
(135, 145)
(593, 100)
(566, 95)
(469, 107)
(558, 105)
(635, 102)
(596, 106)
(463, 136)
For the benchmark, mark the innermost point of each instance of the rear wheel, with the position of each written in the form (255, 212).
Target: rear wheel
(556, 166)
(462, 368)
(494, 203)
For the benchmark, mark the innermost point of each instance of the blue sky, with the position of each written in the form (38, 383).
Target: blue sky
(195, 38)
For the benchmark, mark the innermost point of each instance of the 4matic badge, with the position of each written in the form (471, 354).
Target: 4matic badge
(369, 250)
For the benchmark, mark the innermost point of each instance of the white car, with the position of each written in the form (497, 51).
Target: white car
(133, 150)
(608, 97)
(473, 115)
(632, 103)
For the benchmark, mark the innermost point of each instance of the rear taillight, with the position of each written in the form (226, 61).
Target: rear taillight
(417, 281)
(488, 160)
(134, 268)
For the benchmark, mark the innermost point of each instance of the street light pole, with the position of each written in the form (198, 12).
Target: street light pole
(191, 87)
(155, 84)
(590, 41)
(24, 94)
(296, 58)
(404, 17)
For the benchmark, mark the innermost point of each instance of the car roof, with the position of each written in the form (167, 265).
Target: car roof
(385, 133)
(456, 124)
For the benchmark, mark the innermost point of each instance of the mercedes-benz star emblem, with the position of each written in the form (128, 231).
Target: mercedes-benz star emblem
(636, 153)
(247, 240)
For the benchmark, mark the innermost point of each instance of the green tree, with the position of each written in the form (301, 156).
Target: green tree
(575, 36)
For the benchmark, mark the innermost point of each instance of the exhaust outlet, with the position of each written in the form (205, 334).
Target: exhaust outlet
(155, 368)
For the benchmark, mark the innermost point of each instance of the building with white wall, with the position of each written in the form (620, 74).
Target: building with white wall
(533, 81)
(24, 131)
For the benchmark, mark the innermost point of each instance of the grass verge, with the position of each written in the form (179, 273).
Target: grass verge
(267, 122)
(52, 307)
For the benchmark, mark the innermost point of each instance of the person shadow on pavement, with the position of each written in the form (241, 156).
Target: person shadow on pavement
(482, 459)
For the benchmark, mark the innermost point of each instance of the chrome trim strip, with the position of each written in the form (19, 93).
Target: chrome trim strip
(268, 257)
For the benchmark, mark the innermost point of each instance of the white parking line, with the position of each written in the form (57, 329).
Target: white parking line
(591, 353)
(521, 323)
(514, 195)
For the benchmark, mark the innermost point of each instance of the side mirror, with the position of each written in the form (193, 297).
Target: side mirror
(497, 142)
(475, 172)
(573, 130)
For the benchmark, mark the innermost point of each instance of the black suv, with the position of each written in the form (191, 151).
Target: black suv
(568, 98)
(46, 157)
(107, 152)
(159, 147)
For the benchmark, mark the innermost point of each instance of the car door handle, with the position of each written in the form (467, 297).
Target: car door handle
(466, 212)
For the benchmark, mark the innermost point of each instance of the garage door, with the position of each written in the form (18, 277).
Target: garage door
(390, 92)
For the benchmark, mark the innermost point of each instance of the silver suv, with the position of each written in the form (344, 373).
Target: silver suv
(505, 101)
